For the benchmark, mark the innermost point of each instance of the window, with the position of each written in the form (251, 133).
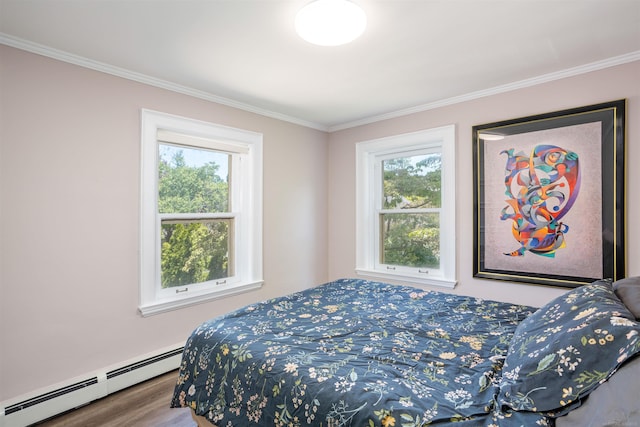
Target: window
(405, 207)
(201, 212)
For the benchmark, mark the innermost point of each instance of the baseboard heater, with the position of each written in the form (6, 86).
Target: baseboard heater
(79, 393)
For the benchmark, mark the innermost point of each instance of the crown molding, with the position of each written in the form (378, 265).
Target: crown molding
(545, 78)
(164, 84)
(60, 55)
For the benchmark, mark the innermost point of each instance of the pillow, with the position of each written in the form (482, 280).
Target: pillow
(612, 404)
(564, 350)
(628, 290)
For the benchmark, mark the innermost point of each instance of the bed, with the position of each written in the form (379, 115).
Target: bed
(360, 353)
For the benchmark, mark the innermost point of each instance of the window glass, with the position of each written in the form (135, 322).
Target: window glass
(412, 182)
(410, 239)
(409, 217)
(192, 180)
(194, 252)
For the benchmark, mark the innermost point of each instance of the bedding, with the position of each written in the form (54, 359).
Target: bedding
(360, 353)
(559, 354)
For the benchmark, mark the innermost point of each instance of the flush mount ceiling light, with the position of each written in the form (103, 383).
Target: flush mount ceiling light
(330, 22)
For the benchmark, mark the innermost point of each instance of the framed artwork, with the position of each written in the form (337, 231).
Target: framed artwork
(548, 197)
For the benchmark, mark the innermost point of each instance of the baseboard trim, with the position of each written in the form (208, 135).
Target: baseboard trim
(45, 404)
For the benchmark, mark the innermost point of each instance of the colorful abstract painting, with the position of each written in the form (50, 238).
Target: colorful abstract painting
(541, 187)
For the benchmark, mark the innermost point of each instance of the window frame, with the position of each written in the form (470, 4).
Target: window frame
(369, 156)
(245, 148)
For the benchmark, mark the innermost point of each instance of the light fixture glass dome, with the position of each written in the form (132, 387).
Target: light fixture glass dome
(330, 22)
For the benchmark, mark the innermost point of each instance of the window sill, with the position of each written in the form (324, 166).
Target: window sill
(166, 305)
(407, 278)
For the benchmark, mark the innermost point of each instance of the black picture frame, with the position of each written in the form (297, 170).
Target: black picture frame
(549, 197)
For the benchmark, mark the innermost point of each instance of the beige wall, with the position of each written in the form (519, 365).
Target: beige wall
(595, 87)
(69, 186)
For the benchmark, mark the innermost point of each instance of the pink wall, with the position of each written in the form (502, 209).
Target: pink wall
(591, 88)
(69, 186)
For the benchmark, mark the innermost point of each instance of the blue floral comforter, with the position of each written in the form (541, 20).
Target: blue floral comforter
(353, 353)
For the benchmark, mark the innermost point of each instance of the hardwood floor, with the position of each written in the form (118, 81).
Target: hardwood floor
(143, 405)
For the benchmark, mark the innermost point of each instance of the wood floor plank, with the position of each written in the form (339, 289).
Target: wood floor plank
(143, 405)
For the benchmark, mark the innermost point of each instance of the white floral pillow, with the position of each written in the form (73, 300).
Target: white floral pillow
(566, 349)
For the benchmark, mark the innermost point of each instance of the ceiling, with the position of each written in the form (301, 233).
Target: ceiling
(414, 54)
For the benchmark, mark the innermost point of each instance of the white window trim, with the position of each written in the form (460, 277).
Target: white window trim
(367, 155)
(248, 273)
